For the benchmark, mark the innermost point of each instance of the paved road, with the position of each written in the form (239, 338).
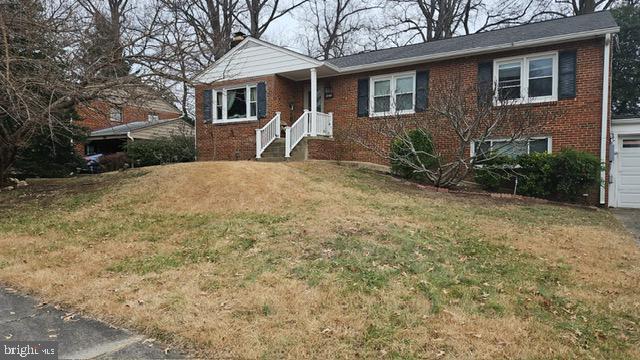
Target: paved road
(22, 318)
(630, 218)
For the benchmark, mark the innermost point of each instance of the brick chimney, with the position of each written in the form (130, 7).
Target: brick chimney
(237, 39)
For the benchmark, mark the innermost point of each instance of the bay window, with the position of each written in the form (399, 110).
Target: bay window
(393, 94)
(525, 79)
(235, 104)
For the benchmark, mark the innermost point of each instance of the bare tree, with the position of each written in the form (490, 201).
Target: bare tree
(42, 78)
(210, 23)
(335, 26)
(104, 52)
(456, 118)
(255, 16)
(428, 20)
(564, 8)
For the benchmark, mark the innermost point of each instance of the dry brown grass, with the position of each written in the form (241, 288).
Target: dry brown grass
(315, 260)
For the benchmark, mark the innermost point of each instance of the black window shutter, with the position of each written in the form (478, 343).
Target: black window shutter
(567, 74)
(422, 90)
(363, 97)
(261, 91)
(485, 82)
(207, 104)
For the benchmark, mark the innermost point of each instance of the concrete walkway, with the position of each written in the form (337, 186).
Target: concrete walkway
(630, 218)
(22, 318)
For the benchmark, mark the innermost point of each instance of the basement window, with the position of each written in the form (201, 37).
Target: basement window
(506, 147)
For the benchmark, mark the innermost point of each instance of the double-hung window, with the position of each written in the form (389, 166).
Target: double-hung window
(235, 104)
(526, 79)
(511, 148)
(393, 94)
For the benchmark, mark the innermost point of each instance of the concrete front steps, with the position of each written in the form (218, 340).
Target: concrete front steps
(275, 151)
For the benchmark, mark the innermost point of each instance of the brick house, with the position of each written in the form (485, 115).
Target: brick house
(256, 101)
(137, 109)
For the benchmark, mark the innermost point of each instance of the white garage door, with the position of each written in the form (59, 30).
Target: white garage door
(629, 173)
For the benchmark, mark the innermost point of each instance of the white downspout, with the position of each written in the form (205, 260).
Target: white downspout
(605, 116)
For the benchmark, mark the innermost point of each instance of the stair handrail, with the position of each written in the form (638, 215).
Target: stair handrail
(295, 133)
(267, 134)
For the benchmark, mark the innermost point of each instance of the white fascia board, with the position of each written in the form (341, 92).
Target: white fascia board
(480, 50)
(312, 62)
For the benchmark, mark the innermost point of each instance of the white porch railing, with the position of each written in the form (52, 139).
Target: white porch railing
(305, 126)
(266, 134)
(324, 124)
(295, 132)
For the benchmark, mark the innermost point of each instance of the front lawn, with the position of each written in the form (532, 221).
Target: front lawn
(314, 260)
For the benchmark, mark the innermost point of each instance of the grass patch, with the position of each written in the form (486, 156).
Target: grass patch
(161, 262)
(319, 260)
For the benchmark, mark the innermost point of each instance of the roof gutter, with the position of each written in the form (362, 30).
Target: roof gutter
(479, 50)
(605, 116)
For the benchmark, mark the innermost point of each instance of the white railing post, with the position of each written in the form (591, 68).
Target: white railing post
(278, 124)
(314, 102)
(287, 142)
(258, 143)
(306, 121)
(330, 125)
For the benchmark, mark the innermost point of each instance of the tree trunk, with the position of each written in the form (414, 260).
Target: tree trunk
(7, 158)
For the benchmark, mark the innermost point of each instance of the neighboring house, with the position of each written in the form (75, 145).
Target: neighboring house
(112, 139)
(133, 107)
(245, 97)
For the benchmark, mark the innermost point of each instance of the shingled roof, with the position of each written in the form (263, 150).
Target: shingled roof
(596, 23)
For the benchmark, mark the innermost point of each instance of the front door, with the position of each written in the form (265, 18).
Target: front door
(320, 98)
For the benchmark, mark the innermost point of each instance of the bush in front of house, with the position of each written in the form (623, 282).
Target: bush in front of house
(172, 149)
(403, 156)
(565, 175)
(537, 175)
(576, 172)
(495, 173)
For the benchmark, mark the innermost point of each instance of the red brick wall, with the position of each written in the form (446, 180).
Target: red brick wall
(237, 141)
(96, 115)
(576, 123)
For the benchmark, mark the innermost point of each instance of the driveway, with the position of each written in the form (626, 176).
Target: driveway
(630, 218)
(23, 318)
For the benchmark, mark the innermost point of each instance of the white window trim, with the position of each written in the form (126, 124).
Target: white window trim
(524, 79)
(224, 120)
(392, 89)
(548, 138)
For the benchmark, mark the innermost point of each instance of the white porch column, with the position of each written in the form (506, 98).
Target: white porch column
(314, 102)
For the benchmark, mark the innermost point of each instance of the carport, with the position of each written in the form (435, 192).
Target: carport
(112, 140)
